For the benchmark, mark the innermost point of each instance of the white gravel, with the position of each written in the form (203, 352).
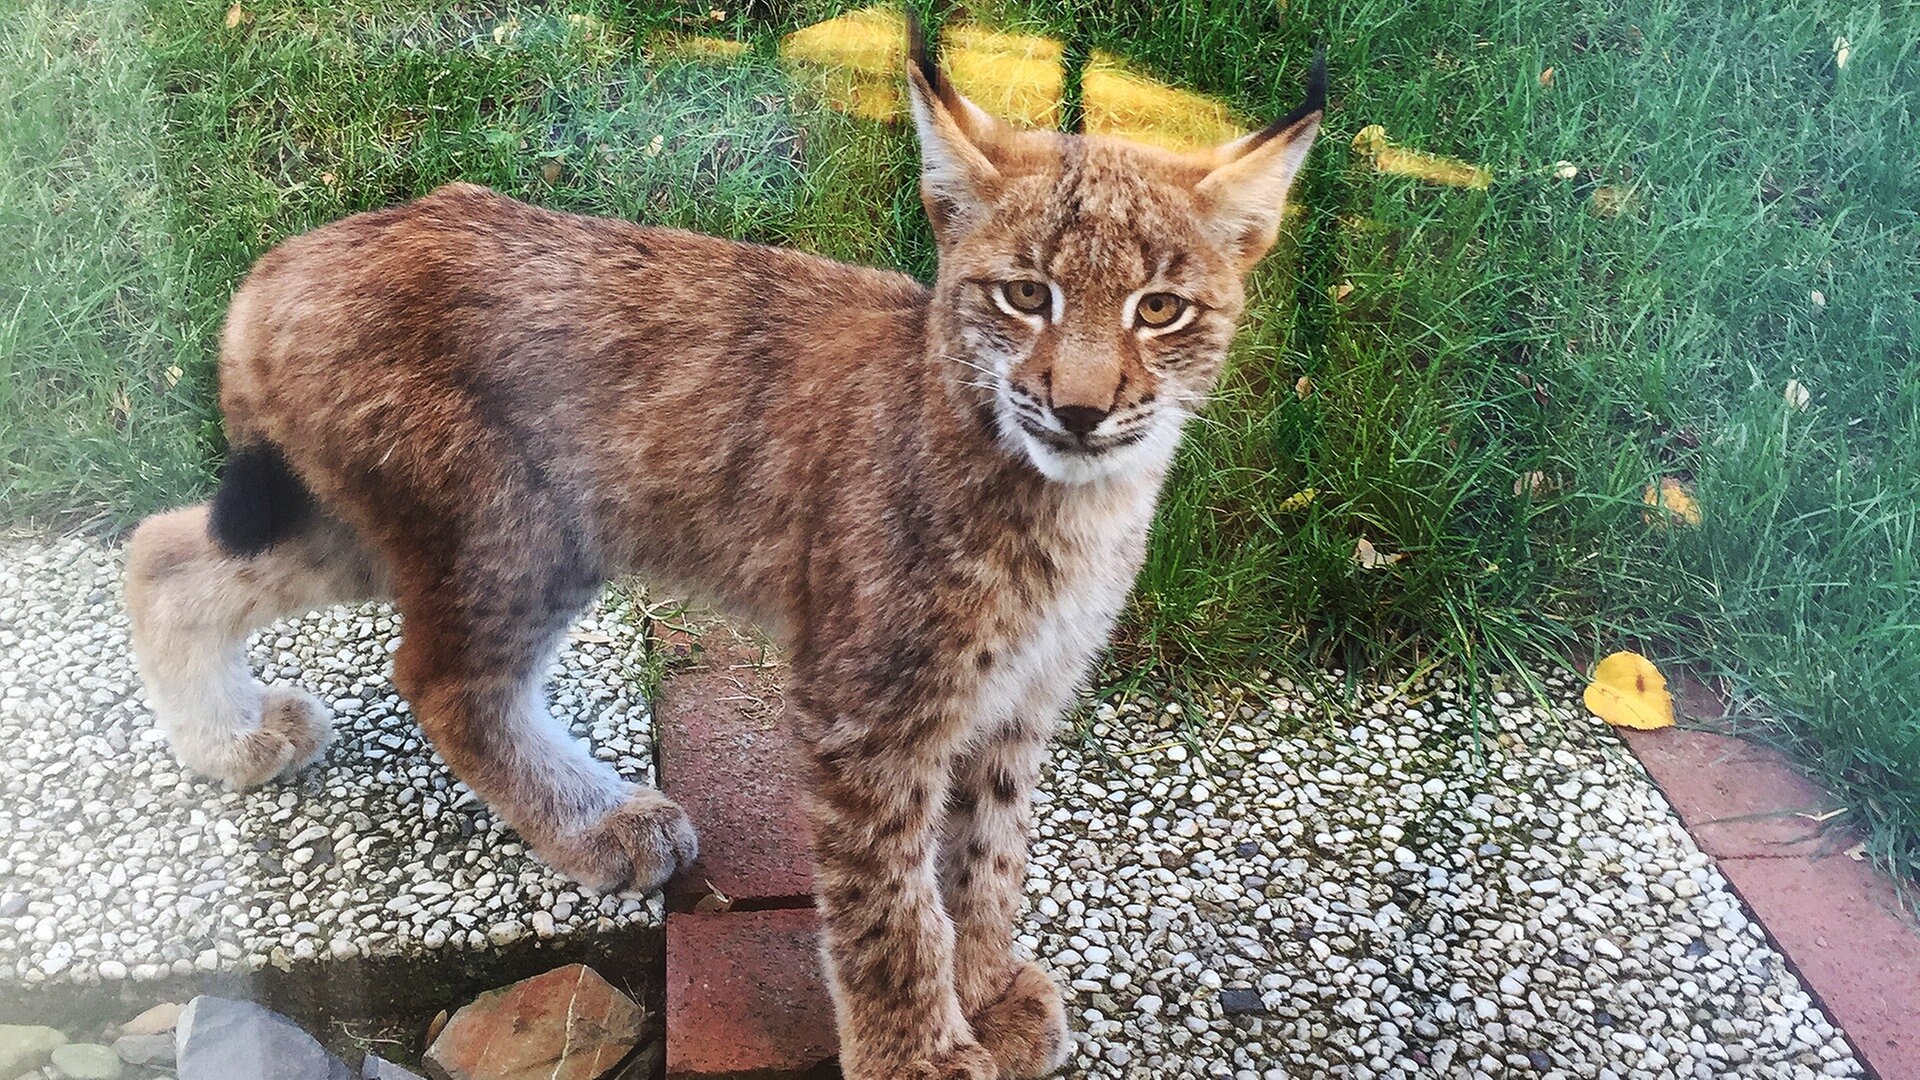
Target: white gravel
(1293, 883)
(116, 863)
(1300, 883)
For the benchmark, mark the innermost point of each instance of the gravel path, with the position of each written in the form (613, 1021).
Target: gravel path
(1291, 885)
(1331, 889)
(115, 863)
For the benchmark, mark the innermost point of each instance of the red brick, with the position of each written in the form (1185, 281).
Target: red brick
(1738, 799)
(728, 757)
(745, 999)
(1842, 928)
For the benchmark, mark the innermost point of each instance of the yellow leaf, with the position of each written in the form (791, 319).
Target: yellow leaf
(1628, 691)
(1303, 387)
(1341, 291)
(1546, 77)
(173, 374)
(1676, 498)
(1300, 500)
(550, 172)
(235, 16)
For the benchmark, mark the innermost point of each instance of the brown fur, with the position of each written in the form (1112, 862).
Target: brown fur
(495, 407)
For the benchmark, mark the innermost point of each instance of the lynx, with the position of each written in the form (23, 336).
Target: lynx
(937, 498)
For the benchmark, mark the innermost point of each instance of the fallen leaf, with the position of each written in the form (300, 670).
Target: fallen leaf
(329, 179)
(1300, 500)
(173, 374)
(655, 144)
(1546, 77)
(237, 15)
(1842, 51)
(1819, 298)
(1340, 292)
(714, 903)
(1628, 691)
(1676, 498)
(1369, 558)
(1565, 170)
(550, 172)
(437, 1025)
(1613, 201)
(1303, 387)
(1534, 483)
(1797, 394)
(1858, 852)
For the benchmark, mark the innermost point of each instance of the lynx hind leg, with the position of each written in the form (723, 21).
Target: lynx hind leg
(192, 606)
(473, 665)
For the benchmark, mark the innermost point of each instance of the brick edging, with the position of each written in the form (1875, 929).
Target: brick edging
(1839, 923)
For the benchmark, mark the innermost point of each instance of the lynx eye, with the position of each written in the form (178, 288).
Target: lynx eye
(1156, 311)
(1028, 296)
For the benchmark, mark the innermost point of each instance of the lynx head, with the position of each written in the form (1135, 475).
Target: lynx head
(1089, 287)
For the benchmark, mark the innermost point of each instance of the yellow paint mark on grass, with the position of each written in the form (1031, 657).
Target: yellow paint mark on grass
(1372, 143)
(854, 63)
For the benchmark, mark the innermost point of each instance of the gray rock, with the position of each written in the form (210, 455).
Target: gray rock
(24, 1048)
(87, 1061)
(155, 1049)
(375, 1067)
(218, 1039)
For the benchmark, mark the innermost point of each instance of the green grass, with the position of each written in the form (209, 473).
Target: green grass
(1486, 335)
(95, 420)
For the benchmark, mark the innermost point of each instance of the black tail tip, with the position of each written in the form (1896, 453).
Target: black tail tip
(260, 501)
(921, 52)
(1317, 81)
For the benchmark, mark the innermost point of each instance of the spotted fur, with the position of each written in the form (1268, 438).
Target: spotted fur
(482, 409)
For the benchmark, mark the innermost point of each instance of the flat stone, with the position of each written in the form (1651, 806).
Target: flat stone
(745, 996)
(155, 1049)
(219, 1039)
(375, 1067)
(160, 1018)
(727, 756)
(87, 1061)
(24, 1047)
(644, 1064)
(568, 1024)
(1241, 1002)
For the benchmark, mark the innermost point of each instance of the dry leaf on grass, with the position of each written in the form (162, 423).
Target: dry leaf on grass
(1676, 498)
(237, 15)
(1534, 483)
(1303, 387)
(1368, 557)
(1546, 77)
(1300, 500)
(1797, 394)
(1628, 691)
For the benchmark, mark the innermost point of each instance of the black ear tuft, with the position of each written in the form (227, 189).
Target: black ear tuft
(1316, 100)
(921, 52)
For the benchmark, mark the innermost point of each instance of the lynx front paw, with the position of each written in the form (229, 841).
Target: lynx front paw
(1025, 1029)
(294, 729)
(637, 845)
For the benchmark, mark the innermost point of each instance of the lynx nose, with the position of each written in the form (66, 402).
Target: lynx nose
(1079, 419)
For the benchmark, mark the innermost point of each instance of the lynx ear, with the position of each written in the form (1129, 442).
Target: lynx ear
(958, 181)
(1246, 191)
